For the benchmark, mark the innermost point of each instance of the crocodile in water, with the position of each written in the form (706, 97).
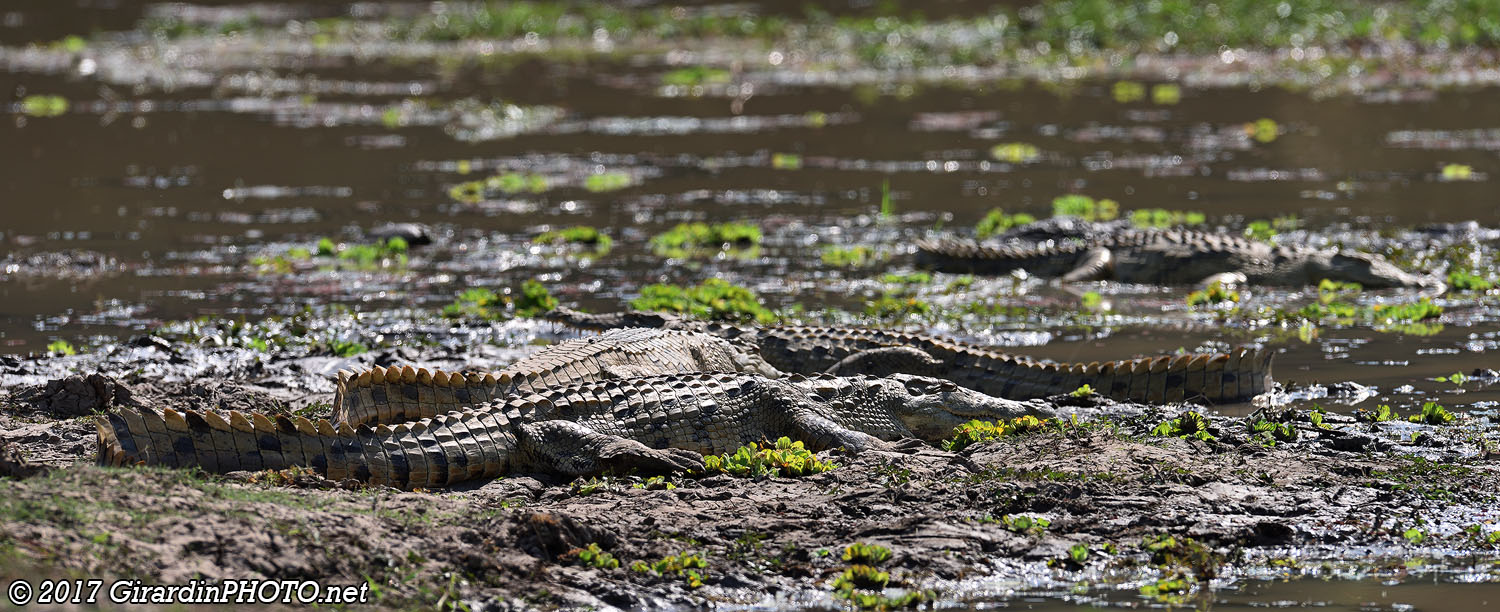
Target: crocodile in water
(1170, 257)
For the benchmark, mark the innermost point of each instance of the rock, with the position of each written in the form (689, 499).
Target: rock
(76, 396)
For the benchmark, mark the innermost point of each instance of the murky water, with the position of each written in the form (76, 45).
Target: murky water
(183, 176)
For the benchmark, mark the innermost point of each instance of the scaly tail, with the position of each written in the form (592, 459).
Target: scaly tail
(429, 453)
(1218, 378)
(396, 395)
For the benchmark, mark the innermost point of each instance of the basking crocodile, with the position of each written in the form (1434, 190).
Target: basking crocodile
(1170, 257)
(1216, 378)
(653, 424)
(394, 395)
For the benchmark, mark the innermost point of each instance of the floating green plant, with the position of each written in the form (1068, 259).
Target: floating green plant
(1215, 293)
(44, 106)
(584, 235)
(606, 181)
(1025, 525)
(996, 222)
(1381, 413)
(1263, 130)
(847, 257)
(1084, 207)
(786, 161)
(1457, 172)
(481, 303)
(695, 76)
(1462, 280)
(1015, 152)
(887, 207)
(1091, 301)
(896, 306)
(1162, 218)
(687, 239)
(909, 278)
(786, 458)
(1082, 391)
(61, 347)
(715, 298)
(1166, 93)
(1126, 92)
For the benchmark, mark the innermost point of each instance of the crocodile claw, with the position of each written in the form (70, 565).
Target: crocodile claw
(626, 455)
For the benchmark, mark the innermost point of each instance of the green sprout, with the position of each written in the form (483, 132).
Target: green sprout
(592, 556)
(1191, 424)
(61, 347)
(866, 554)
(996, 222)
(785, 458)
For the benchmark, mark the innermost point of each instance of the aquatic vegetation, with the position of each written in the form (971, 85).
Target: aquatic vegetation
(691, 567)
(997, 222)
(694, 76)
(1415, 535)
(1015, 152)
(1084, 207)
(1461, 280)
(1215, 293)
(785, 459)
(1182, 553)
(344, 348)
(686, 239)
(1381, 413)
(1433, 414)
(584, 235)
(891, 306)
(1126, 92)
(1082, 391)
(977, 431)
(848, 257)
(61, 347)
(1166, 94)
(362, 256)
(606, 181)
(715, 298)
(1191, 424)
(1378, 314)
(1457, 378)
(44, 106)
(1263, 130)
(786, 161)
(482, 303)
(861, 577)
(593, 556)
(1260, 230)
(1162, 218)
(866, 554)
(655, 483)
(1457, 172)
(909, 278)
(1091, 301)
(1268, 433)
(887, 207)
(1025, 525)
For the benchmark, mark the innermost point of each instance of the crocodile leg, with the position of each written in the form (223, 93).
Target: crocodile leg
(568, 448)
(887, 360)
(1096, 264)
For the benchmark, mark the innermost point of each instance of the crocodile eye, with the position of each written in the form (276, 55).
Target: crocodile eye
(916, 387)
(947, 386)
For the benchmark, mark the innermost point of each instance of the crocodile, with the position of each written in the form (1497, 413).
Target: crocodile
(1171, 257)
(1216, 378)
(397, 394)
(655, 424)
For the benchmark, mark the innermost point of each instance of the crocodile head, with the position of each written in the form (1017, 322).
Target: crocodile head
(1372, 271)
(932, 407)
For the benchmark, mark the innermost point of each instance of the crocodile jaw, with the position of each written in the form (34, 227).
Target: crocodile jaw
(931, 407)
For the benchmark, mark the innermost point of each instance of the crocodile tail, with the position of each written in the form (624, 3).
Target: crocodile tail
(395, 395)
(1214, 378)
(429, 453)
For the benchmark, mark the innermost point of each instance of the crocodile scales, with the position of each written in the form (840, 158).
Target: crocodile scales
(397, 394)
(1170, 257)
(653, 424)
(1230, 377)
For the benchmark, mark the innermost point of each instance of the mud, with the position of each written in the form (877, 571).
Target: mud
(1335, 502)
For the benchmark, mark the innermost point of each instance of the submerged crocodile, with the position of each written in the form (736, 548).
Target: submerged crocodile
(1170, 257)
(398, 394)
(1230, 377)
(653, 424)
